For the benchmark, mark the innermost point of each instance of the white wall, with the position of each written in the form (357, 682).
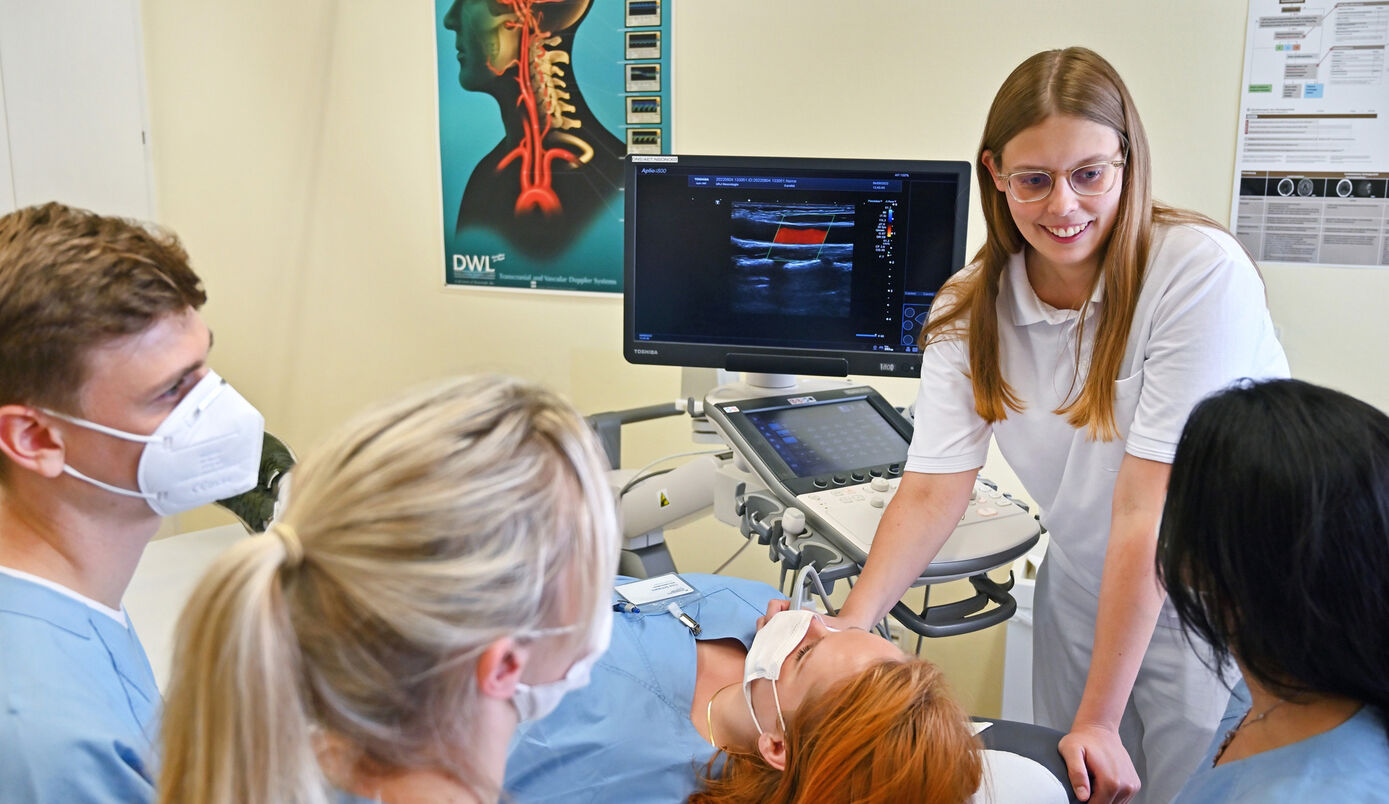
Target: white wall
(6, 175)
(72, 97)
(295, 152)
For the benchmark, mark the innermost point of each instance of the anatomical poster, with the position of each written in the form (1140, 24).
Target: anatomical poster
(1312, 165)
(539, 101)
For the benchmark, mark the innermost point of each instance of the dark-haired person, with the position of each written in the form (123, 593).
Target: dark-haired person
(1274, 549)
(110, 419)
(1088, 325)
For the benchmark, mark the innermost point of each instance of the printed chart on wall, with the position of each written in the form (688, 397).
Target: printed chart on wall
(1312, 167)
(539, 100)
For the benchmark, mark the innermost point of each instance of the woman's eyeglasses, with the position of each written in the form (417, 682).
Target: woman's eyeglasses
(1026, 186)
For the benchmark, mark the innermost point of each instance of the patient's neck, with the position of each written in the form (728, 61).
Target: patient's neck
(719, 678)
(733, 726)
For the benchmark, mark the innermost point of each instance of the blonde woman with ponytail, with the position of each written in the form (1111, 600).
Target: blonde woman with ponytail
(1087, 327)
(441, 571)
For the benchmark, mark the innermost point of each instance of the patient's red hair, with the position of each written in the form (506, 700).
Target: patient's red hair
(891, 733)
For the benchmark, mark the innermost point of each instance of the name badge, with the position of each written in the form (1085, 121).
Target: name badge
(654, 590)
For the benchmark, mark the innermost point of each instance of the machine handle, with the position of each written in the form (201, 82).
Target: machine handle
(608, 425)
(962, 616)
(760, 517)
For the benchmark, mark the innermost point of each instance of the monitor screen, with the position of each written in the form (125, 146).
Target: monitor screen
(785, 265)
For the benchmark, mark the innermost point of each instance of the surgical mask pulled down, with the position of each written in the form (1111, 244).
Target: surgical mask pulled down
(206, 449)
(777, 639)
(535, 701)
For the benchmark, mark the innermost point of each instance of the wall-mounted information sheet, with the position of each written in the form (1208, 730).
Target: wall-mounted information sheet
(1312, 169)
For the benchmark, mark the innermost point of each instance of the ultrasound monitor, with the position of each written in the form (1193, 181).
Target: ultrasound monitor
(785, 265)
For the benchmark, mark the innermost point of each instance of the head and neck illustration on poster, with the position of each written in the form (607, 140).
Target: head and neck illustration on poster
(536, 180)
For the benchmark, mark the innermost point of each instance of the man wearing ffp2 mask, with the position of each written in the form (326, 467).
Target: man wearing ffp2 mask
(109, 418)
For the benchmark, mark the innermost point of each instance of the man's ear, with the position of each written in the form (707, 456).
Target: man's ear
(28, 440)
(499, 668)
(772, 747)
(988, 159)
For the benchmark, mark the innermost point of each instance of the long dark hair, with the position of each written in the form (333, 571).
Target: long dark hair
(1274, 544)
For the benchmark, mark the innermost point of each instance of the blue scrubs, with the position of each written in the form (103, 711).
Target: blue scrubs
(77, 701)
(627, 736)
(1347, 763)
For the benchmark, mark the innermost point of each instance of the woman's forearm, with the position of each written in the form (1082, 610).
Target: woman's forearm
(1130, 597)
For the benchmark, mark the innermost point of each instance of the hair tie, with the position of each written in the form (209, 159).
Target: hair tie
(289, 537)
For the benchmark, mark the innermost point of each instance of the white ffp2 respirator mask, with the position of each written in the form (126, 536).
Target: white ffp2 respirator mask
(782, 633)
(535, 701)
(206, 449)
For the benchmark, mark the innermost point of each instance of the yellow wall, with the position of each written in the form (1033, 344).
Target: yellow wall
(295, 150)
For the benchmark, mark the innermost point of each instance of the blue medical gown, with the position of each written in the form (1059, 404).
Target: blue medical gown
(77, 701)
(627, 736)
(1347, 763)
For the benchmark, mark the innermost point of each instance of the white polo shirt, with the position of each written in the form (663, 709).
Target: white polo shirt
(1201, 323)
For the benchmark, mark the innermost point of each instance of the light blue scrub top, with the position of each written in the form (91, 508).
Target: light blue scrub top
(1347, 763)
(77, 701)
(627, 736)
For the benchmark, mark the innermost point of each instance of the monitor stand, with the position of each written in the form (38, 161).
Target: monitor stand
(757, 384)
(771, 382)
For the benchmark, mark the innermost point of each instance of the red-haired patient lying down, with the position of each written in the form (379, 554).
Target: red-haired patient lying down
(799, 713)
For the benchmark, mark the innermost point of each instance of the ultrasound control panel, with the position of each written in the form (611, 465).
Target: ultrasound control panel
(838, 455)
(824, 440)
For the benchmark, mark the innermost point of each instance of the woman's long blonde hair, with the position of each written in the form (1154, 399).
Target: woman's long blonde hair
(425, 530)
(887, 734)
(1074, 82)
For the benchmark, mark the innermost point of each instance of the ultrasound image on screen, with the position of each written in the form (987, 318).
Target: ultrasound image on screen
(792, 259)
(832, 437)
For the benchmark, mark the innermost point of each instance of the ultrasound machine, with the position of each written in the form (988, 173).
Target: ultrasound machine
(794, 272)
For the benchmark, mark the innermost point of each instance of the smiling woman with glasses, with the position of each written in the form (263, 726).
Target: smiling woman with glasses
(1089, 324)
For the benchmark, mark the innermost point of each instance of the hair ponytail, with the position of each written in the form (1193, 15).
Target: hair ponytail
(340, 647)
(235, 729)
